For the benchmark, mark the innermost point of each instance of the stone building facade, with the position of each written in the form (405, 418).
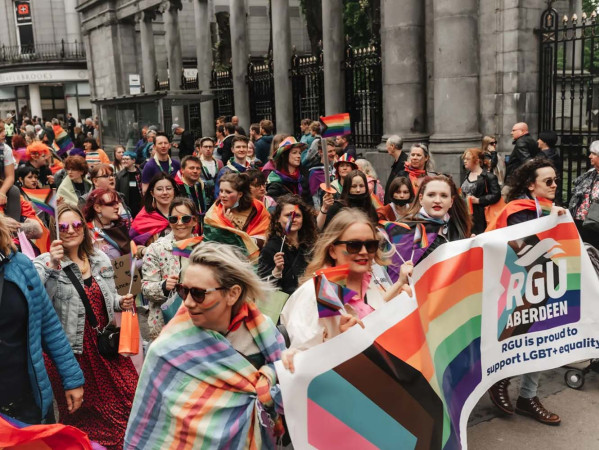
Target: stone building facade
(43, 69)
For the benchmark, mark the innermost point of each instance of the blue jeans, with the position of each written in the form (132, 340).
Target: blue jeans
(529, 383)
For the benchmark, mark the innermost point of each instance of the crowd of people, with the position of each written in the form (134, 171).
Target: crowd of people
(225, 228)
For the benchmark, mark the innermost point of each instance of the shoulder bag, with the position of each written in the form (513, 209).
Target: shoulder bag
(108, 338)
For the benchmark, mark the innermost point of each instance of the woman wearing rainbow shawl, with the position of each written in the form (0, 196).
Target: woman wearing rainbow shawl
(236, 218)
(208, 380)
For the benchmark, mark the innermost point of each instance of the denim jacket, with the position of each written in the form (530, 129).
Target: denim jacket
(67, 302)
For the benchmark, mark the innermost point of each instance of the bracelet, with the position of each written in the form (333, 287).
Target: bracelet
(278, 275)
(322, 212)
(2, 195)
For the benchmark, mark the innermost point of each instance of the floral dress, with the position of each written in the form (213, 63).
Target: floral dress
(109, 386)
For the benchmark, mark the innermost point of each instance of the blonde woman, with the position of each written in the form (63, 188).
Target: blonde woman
(350, 239)
(374, 185)
(210, 374)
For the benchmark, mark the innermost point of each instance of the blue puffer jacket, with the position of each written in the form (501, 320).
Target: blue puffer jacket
(44, 331)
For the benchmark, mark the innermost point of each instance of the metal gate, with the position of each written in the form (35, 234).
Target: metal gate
(260, 80)
(364, 93)
(569, 87)
(307, 79)
(222, 86)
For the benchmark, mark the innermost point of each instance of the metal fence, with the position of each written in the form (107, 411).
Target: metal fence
(569, 87)
(307, 80)
(260, 80)
(42, 52)
(364, 93)
(222, 86)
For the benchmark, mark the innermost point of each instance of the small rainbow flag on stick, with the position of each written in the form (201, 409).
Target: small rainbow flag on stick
(470, 205)
(42, 199)
(185, 247)
(289, 225)
(331, 292)
(335, 125)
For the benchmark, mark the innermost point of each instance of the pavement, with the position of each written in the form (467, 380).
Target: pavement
(578, 409)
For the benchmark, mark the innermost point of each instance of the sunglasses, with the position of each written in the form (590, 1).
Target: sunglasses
(354, 247)
(549, 181)
(198, 295)
(111, 204)
(493, 143)
(64, 226)
(175, 219)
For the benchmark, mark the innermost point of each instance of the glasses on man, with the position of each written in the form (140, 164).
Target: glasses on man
(354, 247)
(63, 227)
(173, 220)
(198, 295)
(550, 181)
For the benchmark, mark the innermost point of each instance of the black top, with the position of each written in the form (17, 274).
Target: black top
(14, 378)
(79, 189)
(186, 145)
(486, 189)
(525, 148)
(295, 263)
(397, 170)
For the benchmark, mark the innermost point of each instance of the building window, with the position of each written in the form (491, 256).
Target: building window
(24, 26)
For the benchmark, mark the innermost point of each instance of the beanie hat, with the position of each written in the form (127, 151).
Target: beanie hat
(549, 138)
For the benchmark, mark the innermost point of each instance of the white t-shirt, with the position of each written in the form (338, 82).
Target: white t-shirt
(8, 156)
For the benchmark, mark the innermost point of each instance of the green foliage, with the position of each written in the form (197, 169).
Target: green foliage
(588, 6)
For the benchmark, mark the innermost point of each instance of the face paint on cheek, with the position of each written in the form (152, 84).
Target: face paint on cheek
(344, 252)
(207, 306)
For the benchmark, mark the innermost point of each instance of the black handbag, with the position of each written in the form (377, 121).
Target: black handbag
(591, 223)
(108, 338)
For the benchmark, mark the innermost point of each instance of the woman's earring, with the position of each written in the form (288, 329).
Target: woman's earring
(153, 202)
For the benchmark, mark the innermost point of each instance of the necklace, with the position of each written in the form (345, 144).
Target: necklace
(85, 267)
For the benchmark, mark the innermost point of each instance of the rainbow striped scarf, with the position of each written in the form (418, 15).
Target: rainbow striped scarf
(185, 247)
(218, 228)
(196, 391)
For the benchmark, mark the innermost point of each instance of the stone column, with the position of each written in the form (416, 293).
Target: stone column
(35, 101)
(148, 52)
(240, 54)
(456, 82)
(281, 30)
(173, 43)
(333, 52)
(204, 55)
(73, 27)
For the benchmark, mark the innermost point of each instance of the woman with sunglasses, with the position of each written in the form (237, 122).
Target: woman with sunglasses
(351, 240)
(110, 233)
(210, 375)
(236, 218)
(162, 267)
(109, 383)
(285, 262)
(480, 187)
(533, 181)
(152, 221)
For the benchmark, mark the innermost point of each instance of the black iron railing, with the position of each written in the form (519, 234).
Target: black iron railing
(363, 93)
(569, 87)
(62, 50)
(307, 81)
(260, 80)
(222, 87)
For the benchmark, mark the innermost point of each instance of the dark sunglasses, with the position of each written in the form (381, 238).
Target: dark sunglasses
(111, 204)
(353, 247)
(493, 143)
(198, 295)
(175, 219)
(63, 227)
(549, 181)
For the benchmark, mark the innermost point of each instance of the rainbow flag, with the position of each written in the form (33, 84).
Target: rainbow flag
(42, 199)
(331, 292)
(470, 205)
(543, 206)
(185, 247)
(63, 141)
(420, 236)
(290, 221)
(335, 125)
(376, 202)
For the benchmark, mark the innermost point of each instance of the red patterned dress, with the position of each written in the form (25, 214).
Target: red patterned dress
(109, 384)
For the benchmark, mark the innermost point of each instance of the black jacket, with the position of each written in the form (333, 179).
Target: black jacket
(295, 263)
(488, 192)
(525, 148)
(186, 145)
(397, 170)
(262, 147)
(226, 152)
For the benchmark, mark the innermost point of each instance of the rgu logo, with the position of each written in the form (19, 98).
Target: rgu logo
(537, 295)
(23, 9)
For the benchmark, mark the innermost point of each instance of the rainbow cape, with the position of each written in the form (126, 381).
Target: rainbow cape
(196, 391)
(331, 291)
(376, 202)
(43, 199)
(16, 434)
(63, 141)
(542, 206)
(218, 228)
(335, 125)
(185, 247)
(145, 225)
